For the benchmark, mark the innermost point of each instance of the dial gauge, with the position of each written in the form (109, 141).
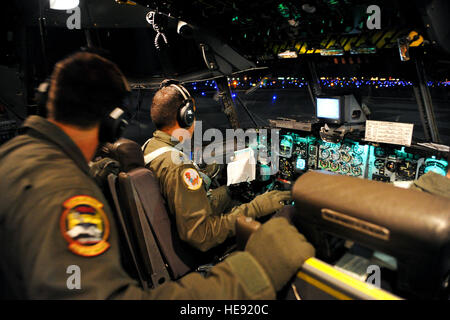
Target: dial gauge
(325, 153)
(357, 160)
(356, 171)
(358, 149)
(324, 164)
(379, 152)
(379, 163)
(345, 168)
(334, 166)
(335, 156)
(345, 156)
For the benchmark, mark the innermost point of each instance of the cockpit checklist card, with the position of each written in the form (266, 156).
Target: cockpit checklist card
(242, 168)
(389, 132)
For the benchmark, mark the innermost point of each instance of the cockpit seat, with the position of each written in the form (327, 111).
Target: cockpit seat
(156, 249)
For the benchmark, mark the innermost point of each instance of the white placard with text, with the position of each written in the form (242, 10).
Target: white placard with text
(389, 132)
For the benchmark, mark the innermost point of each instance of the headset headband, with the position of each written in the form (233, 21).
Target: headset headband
(176, 84)
(182, 90)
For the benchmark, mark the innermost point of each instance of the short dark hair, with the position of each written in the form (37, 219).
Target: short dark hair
(165, 106)
(84, 88)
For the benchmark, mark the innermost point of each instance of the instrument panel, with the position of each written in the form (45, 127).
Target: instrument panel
(299, 154)
(347, 158)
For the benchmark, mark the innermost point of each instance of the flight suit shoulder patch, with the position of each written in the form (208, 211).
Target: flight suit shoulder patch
(192, 179)
(85, 226)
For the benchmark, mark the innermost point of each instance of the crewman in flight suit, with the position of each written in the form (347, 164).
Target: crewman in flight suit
(182, 184)
(434, 183)
(54, 219)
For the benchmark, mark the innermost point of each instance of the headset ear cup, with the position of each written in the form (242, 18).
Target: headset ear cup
(186, 116)
(189, 115)
(113, 126)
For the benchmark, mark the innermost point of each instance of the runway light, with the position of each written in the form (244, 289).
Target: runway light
(274, 97)
(64, 4)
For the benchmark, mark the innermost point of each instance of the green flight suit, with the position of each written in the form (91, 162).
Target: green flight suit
(47, 196)
(198, 222)
(433, 183)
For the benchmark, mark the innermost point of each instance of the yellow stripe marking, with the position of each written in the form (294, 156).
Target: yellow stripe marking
(323, 287)
(363, 287)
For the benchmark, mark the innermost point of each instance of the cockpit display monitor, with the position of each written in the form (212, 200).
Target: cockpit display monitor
(329, 109)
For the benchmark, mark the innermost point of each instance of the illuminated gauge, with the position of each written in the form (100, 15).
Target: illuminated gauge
(437, 166)
(356, 171)
(407, 169)
(296, 151)
(285, 167)
(300, 164)
(323, 164)
(391, 166)
(380, 152)
(346, 147)
(345, 168)
(379, 163)
(335, 156)
(357, 160)
(334, 166)
(286, 146)
(326, 145)
(345, 156)
(324, 154)
(312, 149)
(358, 149)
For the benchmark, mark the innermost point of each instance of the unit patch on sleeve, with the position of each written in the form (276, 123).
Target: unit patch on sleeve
(85, 226)
(192, 179)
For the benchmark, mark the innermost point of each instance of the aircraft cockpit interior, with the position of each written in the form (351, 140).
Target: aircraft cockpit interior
(345, 104)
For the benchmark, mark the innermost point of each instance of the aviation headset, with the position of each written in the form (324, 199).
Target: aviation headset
(112, 125)
(186, 111)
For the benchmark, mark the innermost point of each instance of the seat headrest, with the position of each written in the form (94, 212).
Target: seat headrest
(128, 153)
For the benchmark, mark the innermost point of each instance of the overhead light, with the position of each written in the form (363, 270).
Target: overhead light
(287, 55)
(363, 49)
(64, 4)
(131, 3)
(332, 51)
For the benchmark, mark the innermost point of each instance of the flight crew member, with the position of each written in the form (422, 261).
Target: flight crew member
(54, 220)
(182, 184)
(434, 183)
